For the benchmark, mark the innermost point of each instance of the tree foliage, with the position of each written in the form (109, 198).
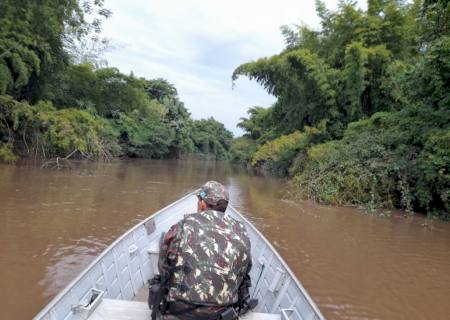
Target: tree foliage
(375, 84)
(338, 73)
(56, 99)
(33, 37)
(211, 137)
(41, 129)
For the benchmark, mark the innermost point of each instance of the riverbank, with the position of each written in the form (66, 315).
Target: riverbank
(380, 163)
(362, 112)
(59, 98)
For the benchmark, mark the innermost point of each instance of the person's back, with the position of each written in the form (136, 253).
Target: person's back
(213, 258)
(206, 261)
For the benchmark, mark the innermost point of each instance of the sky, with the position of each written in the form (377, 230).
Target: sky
(197, 44)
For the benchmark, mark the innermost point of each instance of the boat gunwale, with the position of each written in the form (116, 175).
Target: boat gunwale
(72, 283)
(288, 269)
(68, 287)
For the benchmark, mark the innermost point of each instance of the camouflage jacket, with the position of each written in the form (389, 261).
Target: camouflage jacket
(207, 258)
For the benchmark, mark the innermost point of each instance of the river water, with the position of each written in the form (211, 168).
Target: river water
(354, 265)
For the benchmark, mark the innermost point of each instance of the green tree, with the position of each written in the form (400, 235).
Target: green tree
(160, 89)
(258, 122)
(340, 72)
(210, 137)
(375, 85)
(32, 42)
(49, 61)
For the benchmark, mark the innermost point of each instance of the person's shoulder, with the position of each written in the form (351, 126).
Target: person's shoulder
(238, 226)
(192, 218)
(238, 223)
(190, 215)
(177, 227)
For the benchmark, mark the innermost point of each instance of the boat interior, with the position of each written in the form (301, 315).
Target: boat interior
(114, 286)
(128, 310)
(138, 309)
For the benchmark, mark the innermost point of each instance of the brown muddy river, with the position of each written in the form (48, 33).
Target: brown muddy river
(354, 265)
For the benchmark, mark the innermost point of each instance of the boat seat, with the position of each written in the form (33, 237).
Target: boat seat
(111, 309)
(260, 316)
(121, 310)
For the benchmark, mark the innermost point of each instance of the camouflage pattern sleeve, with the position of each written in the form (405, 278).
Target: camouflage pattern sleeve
(168, 249)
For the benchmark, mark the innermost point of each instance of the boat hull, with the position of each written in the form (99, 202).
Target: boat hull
(122, 269)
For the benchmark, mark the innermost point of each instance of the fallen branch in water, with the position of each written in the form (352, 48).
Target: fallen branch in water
(104, 154)
(59, 163)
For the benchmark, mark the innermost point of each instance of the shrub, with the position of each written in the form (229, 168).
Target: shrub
(6, 153)
(278, 155)
(68, 130)
(242, 149)
(393, 158)
(275, 155)
(41, 129)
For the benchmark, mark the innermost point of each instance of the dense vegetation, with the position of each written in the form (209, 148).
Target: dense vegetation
(362, 114)
(57, 101)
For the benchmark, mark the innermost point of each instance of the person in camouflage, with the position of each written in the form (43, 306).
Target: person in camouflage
(206, 258)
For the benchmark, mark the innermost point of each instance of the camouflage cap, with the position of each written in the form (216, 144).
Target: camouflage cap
(212, 191)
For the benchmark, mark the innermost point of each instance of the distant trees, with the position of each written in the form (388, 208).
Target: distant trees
(211, 137)
(374, 84)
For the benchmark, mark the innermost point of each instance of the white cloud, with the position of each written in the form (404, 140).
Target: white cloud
(196, 45)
